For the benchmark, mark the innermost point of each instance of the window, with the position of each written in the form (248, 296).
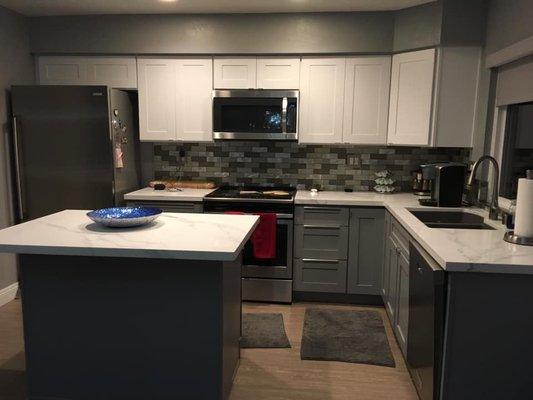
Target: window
(517, 152)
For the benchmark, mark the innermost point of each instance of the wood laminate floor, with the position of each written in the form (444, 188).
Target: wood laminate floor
(263, 373)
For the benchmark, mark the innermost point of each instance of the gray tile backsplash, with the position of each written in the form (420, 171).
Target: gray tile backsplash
(330, 167)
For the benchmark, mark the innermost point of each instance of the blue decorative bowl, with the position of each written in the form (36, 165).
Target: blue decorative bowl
(123, 217)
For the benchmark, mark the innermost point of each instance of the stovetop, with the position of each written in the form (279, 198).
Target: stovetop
(253, 193)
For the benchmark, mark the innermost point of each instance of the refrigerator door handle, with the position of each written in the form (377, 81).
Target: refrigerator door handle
(18, 169)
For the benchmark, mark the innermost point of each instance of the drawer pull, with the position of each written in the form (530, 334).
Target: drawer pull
(322, 226)
(321, 208)
(318, 260)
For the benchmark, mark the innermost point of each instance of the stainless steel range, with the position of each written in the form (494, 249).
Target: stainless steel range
(262, 279)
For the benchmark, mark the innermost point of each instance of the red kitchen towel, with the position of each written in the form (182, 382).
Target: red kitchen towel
(264, 236)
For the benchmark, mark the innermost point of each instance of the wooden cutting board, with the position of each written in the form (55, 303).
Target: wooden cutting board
(169, 184)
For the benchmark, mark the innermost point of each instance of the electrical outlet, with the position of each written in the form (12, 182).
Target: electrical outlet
(354, 161)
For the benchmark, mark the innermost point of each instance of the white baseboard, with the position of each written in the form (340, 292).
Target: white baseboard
(8, 294)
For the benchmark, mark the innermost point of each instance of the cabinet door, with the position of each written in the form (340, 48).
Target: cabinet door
(313, 275)
(392, 283)
(235, 73)
(54, 70)
(194, 83)
(385, 270)
(156, 99)
(321, 242)
(278, 73)
(411, 98)
(402, 316)
(115, 72)
(321, 100)
(365, 256)
(366, 100)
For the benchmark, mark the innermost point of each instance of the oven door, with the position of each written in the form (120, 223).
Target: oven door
(255, 114)
(279, 267)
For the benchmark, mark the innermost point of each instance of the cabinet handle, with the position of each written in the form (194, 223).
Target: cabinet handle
(317, 260)
(311, 208)
(322, 226)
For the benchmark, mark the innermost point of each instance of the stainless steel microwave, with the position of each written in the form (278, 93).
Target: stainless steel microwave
(255, 114)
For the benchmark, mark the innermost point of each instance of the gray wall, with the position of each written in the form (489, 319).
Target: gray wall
(16, 67)
(508, 22)
(215, 34)
(418, 27)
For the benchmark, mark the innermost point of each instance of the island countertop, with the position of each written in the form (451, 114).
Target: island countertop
(213, 237)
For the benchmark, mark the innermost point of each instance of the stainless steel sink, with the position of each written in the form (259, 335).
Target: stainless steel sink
(451, 219)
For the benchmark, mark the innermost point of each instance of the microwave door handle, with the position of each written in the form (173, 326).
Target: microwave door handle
(284, 104)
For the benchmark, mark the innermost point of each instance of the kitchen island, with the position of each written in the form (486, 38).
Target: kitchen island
(150, 312)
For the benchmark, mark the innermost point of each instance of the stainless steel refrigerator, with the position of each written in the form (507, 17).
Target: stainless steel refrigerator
(73, 147)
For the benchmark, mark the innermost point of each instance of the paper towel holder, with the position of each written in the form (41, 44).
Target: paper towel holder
(515, 239)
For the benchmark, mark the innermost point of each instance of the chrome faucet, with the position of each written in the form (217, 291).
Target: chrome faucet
(493, 208)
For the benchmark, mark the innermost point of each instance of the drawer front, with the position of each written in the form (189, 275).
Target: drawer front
(315, 275)
(167, 206)
(321, 242)
(322, 216)
(401, 236)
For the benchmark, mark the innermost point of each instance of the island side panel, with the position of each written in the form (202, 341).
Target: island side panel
(231, 319)
(102, 327)
(489, 337)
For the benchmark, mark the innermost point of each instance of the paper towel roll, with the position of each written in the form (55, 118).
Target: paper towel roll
(524, 208)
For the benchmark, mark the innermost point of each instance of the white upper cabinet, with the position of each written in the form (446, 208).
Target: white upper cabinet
(278, 73)
(457, 95)
(235, 73)
(321, 100)
(366, 100)
(157, 111)
(256, 73)
(115, 72)
(194, 83)
(175, 99)
(62, 70)
(411, 95)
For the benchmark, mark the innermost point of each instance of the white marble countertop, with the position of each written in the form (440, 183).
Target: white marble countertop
(454, 249)
(147, 194)
(214, 237)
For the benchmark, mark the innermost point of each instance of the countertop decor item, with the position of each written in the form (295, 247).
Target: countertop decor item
(384, 182)
(124, 217)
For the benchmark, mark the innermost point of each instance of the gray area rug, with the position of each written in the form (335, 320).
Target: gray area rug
(349, 336)
(260, 330)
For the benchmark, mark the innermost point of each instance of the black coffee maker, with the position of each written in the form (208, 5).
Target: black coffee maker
(447, 183)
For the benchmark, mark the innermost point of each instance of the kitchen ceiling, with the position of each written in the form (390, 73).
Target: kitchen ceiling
(77, 7)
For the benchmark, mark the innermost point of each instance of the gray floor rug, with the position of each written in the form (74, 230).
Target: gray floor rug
(343, 335)
(260, 330)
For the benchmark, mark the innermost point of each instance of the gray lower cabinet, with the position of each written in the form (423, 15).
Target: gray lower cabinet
(338, 249)
(321, 249)
(402, 318)
(322, 242)
(395, 280)
(170, 206)
(365, 256)
(391, 275)
(316, 275)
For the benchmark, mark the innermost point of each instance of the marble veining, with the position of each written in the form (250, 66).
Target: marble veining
(176, 236)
